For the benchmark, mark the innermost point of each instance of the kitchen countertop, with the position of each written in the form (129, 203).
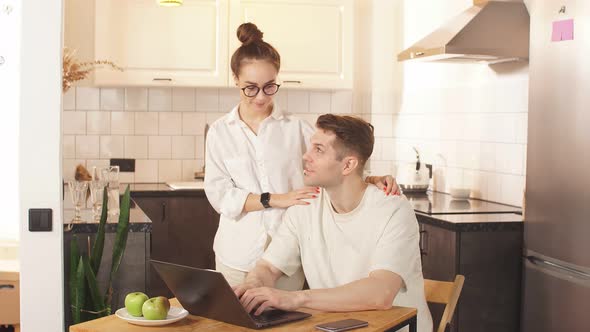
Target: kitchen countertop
(434, 203)
(161, 189)
(138, 221)
(491, 222)
(9, 270)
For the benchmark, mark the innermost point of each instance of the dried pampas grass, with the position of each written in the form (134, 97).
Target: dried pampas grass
(75, 71)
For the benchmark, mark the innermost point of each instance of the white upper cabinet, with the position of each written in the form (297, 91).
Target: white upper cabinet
(314, 38)
(191, 45)
(176, 46)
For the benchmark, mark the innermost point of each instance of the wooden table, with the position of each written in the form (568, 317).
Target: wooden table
(385, 320)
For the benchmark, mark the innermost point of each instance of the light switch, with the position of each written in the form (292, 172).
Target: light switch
(40, 220)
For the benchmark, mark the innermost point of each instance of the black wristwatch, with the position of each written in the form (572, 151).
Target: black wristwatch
(265, 200)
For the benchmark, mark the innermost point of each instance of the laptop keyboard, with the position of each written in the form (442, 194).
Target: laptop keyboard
(269, 316)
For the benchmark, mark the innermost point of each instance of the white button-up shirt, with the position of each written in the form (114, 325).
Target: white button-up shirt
(239, 162)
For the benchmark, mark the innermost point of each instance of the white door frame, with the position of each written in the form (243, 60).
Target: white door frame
(41, 253)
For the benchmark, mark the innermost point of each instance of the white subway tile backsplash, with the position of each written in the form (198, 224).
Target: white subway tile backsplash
(160, 99)
(521, 128)
(112, 99)
(136, 99)
(189, 167)
(74, 123)
(193, 123)
(136, 147)
(207, 100)
(341, 102)
(320, 102)
(170, 123)
(98, 163)
(87, 99)
(281, 99)
(69, 100)
(112, 147)
(146, 123)
(98, 123)
(169, 170)
(183, 147)
(383, 125)
(228, 99)
(87, 147)
(183, 99)
(494, 181)
(512, 189)
(146, 171)
(126, 177)
(200, 147)
(298, 101)
(160, 147)
(380, 167)
(122, 123)
(212, 117)
(488, 156)
(509, 158)
(388, 149)
(68, 146)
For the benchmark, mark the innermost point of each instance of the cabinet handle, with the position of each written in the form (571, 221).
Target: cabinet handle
(424, 243)
(163, 211)
(292, 81)
(163, 79)
(7, 286)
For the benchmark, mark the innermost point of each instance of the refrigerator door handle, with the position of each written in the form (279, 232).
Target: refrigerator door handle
(544, 263)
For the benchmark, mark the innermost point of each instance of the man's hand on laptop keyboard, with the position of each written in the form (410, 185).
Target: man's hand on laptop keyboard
(263, 298)
(240, 289)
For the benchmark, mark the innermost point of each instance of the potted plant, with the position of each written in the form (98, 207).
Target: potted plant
(87, 300)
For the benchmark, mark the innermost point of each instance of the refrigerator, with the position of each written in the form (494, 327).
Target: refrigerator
(556, 262)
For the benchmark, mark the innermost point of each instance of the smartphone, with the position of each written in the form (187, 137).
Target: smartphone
(342, 325)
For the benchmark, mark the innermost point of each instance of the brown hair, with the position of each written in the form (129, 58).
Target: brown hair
(352, 135)
(253, 47)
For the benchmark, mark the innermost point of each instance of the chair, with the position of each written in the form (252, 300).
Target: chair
(444, 292)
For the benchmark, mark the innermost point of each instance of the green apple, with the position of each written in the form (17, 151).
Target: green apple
(156, 308)
(134, 303)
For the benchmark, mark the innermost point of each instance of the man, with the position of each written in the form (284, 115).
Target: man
(358, 248)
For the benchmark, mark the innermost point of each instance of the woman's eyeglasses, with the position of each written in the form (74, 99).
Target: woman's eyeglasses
(253, 90)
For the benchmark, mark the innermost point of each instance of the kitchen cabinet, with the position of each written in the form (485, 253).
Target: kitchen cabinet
(178, 46)
(183, 229)
(314, 38)
(191, 45)
(156, 46)
(486, 249)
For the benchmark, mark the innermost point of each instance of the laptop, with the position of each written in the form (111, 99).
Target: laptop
(206, 293)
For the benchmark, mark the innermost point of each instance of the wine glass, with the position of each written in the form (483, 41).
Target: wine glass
(78, 191)
(96, 197)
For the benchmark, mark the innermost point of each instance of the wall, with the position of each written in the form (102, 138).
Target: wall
(38, 89)
(469, 120)
(162, 128)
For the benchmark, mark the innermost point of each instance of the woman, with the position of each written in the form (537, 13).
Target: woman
(254, 163)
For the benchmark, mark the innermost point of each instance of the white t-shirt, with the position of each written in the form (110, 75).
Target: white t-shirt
(336, 249)
(238, 163)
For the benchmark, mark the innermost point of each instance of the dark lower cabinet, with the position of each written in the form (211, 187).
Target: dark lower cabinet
(183, 229)
(490, 259)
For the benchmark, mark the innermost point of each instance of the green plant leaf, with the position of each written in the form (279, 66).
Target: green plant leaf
(98, 246)
(95, 295)
(77, 291)
(120, 240)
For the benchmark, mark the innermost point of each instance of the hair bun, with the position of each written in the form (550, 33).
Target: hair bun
(248, 33)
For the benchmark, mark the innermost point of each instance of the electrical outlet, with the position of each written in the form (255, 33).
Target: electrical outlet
(125, 165)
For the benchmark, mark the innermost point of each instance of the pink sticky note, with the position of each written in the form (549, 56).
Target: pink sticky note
(563, 30)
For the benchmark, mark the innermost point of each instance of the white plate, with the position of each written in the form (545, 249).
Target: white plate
(174, 315)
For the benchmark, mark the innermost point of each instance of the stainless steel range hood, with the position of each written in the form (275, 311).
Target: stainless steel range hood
(491, 31)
